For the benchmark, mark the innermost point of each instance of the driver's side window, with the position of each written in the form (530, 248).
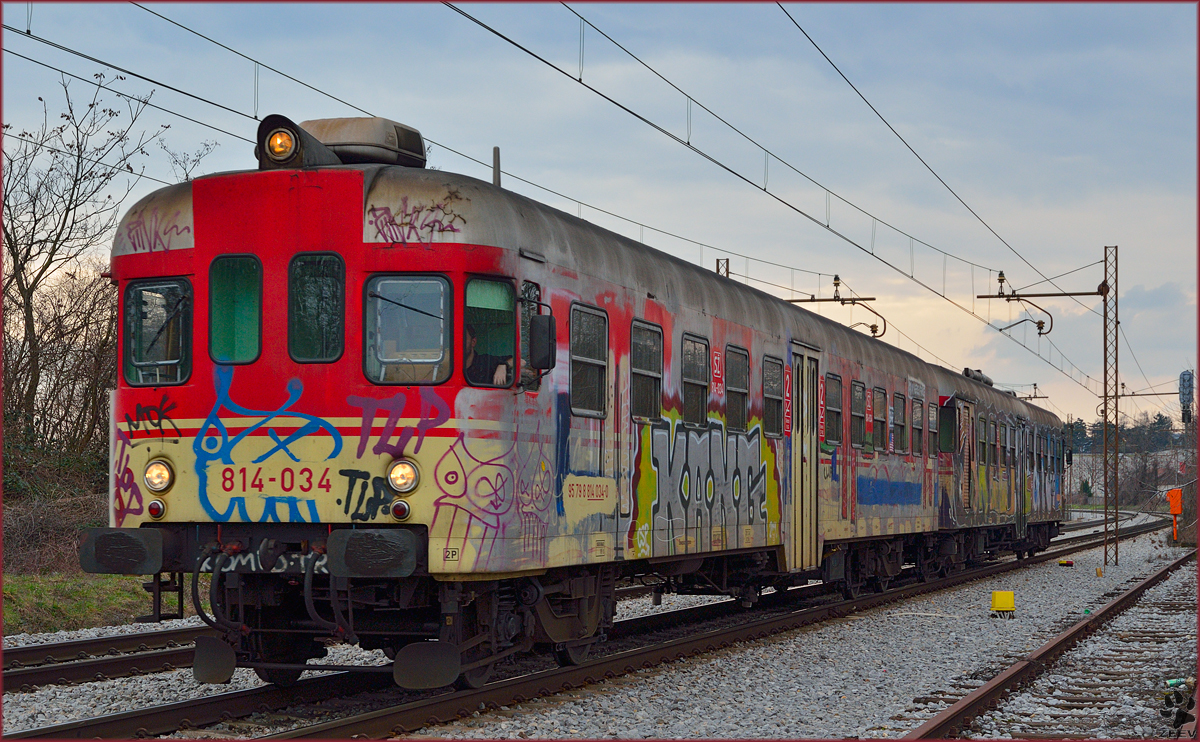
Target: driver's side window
(489, 332)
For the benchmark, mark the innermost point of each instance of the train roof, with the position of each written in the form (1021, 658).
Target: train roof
(417, 206)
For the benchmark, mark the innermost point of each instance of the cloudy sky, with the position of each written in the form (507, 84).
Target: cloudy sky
(1065, 128)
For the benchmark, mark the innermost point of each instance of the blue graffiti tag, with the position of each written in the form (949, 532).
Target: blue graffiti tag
(213, 443)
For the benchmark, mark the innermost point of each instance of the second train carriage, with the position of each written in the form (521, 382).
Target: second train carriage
(408, 408)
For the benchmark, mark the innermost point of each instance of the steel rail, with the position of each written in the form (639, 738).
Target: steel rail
(42, 654)
(99, 668)
(198, 712)
(959, 716)
(121, 655)
(447, 707)
(214, 709)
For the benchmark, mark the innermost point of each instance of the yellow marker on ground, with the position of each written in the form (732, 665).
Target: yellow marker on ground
(1004, 604)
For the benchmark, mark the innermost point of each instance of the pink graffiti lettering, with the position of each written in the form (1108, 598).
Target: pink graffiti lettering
(416, 222)
(146, 234)
(434, 412)
(127, 497)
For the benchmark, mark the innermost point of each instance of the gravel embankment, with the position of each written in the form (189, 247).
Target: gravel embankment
(841, 679)
(875, 674)
(1103, 687)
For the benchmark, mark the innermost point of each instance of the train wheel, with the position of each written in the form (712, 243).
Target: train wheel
(853, 583)
(576, 655)
(278, 676)
(927, 570)
(475, 677)
(880, 584)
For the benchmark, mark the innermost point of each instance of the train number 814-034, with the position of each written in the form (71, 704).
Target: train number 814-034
(286, 479)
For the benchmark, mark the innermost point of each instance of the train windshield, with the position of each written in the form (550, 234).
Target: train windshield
(407, 334)
(158, 332)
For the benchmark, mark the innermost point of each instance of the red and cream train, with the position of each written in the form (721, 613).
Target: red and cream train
(409, 409)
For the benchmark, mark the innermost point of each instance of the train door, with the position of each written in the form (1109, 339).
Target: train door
(1018, 485)
(966, 453)
(805, 550)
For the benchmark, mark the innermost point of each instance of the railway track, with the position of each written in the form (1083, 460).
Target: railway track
(140, 653)
(121, 655)
(1090, 683)
(417, 710)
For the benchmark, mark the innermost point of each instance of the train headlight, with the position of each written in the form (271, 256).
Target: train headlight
(403, 476)
(158, 476)
(281, 144)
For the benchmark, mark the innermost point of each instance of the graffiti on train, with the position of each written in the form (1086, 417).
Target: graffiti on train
(214, 445)
(707, 478)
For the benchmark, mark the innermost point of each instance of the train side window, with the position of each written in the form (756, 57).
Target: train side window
(646, 366)
(933, 427)
(991, 449)
(1003, 442)
(899, 423)
(234, 309)
(406, 339)
(879, 431)
(981, 436)
(772, 379)
(489, 324)
(1029, 451)
(947, 428)
(737, 387)
(833, 409)
(858, 413)
(696, 375)
(316, 307)
(589, 361)
(531, 380)
(918, 427)
(158, 332)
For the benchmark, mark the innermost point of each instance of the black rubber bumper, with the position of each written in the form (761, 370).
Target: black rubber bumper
(121, 551)
(366, 552)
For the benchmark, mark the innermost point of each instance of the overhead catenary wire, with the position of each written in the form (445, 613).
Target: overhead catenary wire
(921, 159)
(939, 178)
(775, 196)
(599, 210)
(124, 71)
(446, 147)
(129, 96)
(751, 140)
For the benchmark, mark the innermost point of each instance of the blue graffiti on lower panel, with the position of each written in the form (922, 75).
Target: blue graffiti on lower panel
(213, 444)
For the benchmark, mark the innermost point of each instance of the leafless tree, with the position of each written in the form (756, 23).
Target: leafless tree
(61, 201)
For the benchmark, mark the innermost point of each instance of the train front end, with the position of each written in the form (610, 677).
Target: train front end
(285, 402)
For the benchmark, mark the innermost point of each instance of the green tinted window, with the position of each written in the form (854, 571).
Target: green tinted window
(316, 301)
(490, 323)
(234, 308)
(158, 332)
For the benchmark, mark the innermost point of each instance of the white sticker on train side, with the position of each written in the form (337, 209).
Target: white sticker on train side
(584, 496)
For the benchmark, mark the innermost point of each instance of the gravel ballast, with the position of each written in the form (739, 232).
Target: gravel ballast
(844, 678)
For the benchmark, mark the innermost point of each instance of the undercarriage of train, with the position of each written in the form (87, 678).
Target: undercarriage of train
(371, 588)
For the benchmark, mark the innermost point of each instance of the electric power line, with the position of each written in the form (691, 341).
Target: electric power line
(764, 189)
(127, 96)
(953, 192)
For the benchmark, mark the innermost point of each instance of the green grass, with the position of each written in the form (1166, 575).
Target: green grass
(68, 601)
